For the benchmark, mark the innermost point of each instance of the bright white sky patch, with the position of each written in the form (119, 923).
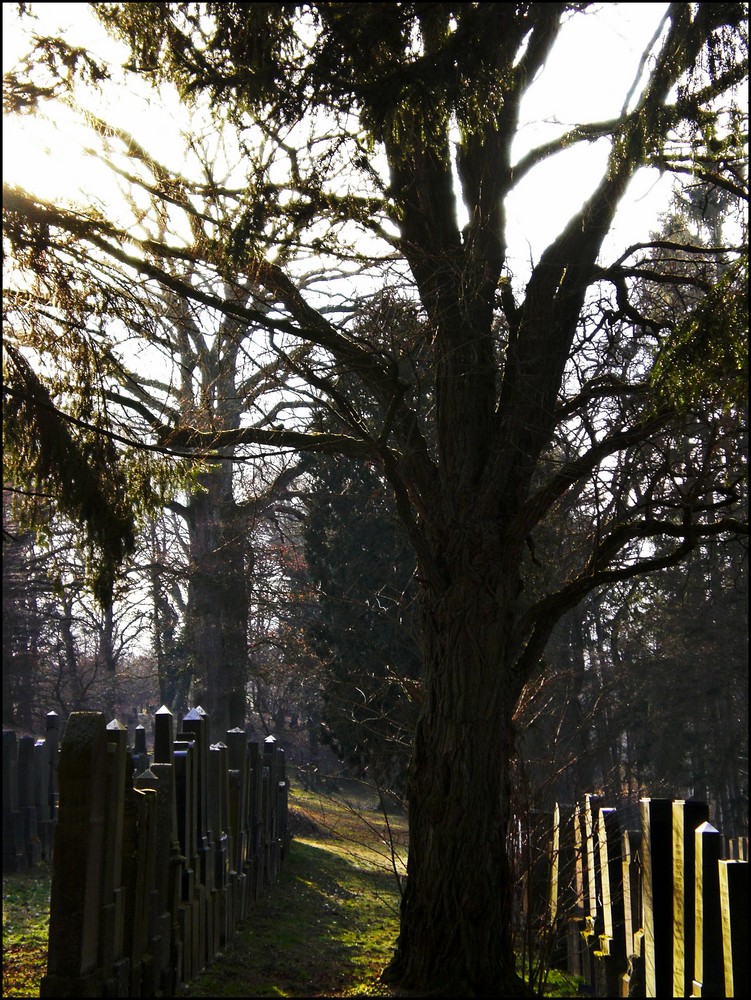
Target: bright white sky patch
(587, 78)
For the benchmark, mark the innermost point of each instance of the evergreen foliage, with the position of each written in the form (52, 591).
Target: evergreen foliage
(367, 633)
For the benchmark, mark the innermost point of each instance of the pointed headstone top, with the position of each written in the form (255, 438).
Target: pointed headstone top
(163, 711)
(706, 827)
(116, 725)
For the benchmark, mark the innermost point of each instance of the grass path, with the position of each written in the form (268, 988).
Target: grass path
(327, 925)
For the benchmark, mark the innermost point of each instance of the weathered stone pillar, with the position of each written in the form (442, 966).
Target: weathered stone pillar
(45, 823)
(170, 862)
(633, 980)
(255, 858)
(709, 971)
(189, 912)
(239, 791)
(218, 817)
(114, 960)
(164, 735)
(14, 856)
(610, 958)
(592, 928)
(52, 739)
(687, 816)
(734, 908)
(139, 831)
(140, 753)
(657, 853)
(196, 725)
(76, 897)
(575, 923)
(26, 800)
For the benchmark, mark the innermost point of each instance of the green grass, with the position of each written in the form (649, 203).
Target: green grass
(26, 918)
(327, 925)
(562, 984)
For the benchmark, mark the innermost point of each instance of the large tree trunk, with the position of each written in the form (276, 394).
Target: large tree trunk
(456, 925)
(218, 603)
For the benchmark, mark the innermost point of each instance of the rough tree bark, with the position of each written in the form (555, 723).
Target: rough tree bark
(455, 929)
(218, 601)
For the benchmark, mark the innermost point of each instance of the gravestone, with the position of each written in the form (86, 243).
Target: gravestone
(189, 911)
(76, 900)
(26, 800)
(562, 895)
(14, 855)
(610, 957)
(164, 735)
(219, 822)
(139, 828)
(554, 863)
(196, 724)
(170, 862)
(159, 922)
(52, 736)
(140, 753)
(575, 924)
(115, 963)
(239, 792)
(734, 910)
(130, 914)
(687, 816)
(255, 860)
(657, 854)
(592, 928)
(709, 969)
(633, 980)
(45, 822)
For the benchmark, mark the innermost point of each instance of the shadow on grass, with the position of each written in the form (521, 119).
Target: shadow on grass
(325, 927)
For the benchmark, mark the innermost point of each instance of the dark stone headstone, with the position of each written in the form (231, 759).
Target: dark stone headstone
(633, 980)
(657, 853)
(709, 970)
(14, 855)
(734, 908)
(76, 896)
(164, 735)
(687, 816)
(611, 963)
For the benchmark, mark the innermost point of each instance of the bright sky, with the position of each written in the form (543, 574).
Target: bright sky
(587, 78)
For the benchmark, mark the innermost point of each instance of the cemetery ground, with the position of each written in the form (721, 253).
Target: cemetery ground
(324, 928)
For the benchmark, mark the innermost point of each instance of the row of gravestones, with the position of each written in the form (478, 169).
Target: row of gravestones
(653, 912)
(29, 796)
(155, 867)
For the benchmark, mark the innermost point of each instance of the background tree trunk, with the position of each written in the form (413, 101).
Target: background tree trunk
(218, 603)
